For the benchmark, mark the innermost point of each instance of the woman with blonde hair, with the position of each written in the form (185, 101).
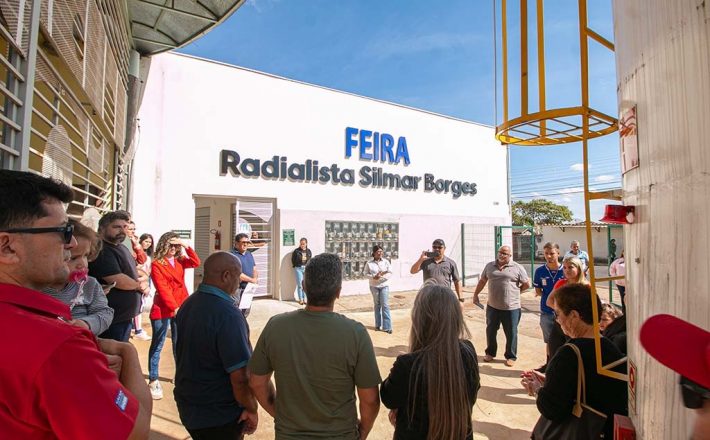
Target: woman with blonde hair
(431, 390)
(168, 274)
(573, 270)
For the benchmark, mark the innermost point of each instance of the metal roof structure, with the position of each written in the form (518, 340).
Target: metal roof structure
(162, 25)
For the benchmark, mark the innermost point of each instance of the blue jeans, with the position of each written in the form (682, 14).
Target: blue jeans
(301, 295)
(547, 323)
(160, 332)
(118, 331)
(380, 295)
(510, 320)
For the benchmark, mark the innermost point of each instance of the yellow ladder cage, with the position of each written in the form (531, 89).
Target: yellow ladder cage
(554, 126)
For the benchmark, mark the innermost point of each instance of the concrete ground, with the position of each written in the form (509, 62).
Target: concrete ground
(503, 410)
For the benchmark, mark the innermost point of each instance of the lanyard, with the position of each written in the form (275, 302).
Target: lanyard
(553, 277)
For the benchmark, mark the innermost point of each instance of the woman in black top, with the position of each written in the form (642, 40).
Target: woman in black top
(557, 389)
(299, 258)
(431, 391)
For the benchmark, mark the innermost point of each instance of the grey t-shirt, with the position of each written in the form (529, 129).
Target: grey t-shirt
(504, 285)
(443, 272)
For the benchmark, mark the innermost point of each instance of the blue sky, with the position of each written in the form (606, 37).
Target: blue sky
(434, 56)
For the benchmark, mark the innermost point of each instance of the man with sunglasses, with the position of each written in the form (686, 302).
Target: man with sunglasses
(685, 349)
(439, 268)
(115, 264)
(56, 382)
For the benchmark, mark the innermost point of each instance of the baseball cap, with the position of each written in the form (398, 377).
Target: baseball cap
(439, 242)
(679, 345)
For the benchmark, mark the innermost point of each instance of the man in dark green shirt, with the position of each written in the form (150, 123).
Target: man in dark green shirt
(319, 359)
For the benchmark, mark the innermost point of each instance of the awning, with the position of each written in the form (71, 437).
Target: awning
(161, 25)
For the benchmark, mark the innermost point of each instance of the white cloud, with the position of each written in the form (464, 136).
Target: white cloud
(577, 167)
(572, 190)
(604, 178)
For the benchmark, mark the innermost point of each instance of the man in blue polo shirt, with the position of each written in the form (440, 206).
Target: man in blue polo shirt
(249, 272)
(543, 281)
(211, 382)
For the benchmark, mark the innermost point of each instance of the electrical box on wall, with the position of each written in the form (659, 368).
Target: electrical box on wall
(353, 243)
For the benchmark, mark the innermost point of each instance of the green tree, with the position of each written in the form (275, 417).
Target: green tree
(539, 211)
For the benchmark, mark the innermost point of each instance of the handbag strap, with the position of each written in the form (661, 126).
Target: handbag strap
(581, 386)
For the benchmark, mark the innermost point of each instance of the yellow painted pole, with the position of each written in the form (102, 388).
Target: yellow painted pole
(541, 66)
(523, 57)
(584, 67)
(504, 36)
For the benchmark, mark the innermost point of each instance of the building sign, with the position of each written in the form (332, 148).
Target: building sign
(376, 147)
(183, 233)
(289, 237)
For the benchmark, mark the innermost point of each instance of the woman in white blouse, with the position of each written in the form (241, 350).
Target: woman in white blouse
(378, 272)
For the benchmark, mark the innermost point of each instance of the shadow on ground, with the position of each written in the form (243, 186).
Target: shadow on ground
(503, 395)
(392, 351)
(496, 431)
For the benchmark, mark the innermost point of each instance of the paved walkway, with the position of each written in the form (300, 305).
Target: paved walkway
(503, 409)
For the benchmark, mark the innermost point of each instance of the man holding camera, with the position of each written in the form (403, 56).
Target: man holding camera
(439, 268)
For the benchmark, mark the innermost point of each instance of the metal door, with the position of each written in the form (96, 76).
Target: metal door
(255, 217)
(202, 240)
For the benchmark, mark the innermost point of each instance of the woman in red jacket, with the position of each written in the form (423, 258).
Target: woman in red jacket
(168, 274)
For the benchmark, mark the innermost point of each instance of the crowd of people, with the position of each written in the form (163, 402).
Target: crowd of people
(74, 294)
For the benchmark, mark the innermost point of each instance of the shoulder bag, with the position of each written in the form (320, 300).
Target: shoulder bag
(584, 423)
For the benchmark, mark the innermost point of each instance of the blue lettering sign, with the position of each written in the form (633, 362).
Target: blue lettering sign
(377, 147)
(350, 140)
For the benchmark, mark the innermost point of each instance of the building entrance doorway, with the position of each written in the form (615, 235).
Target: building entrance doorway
(219, 219)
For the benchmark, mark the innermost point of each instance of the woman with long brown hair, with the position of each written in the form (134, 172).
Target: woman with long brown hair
(168, 274)
(432, 389)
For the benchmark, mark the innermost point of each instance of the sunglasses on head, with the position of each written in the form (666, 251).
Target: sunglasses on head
(67, 231)
(694, 395)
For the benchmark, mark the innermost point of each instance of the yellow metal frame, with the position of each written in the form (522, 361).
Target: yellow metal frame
(560, 126)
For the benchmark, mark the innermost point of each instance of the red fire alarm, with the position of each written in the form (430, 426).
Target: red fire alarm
(618, 214)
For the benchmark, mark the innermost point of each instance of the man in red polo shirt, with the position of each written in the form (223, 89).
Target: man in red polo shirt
(56, 381)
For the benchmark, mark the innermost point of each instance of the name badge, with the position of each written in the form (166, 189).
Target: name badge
(544, 282)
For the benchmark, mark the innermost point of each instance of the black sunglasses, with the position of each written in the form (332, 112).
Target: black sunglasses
(694, 395)
(67, 231)
(437, 247)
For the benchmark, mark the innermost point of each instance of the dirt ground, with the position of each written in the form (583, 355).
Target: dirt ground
(503, 409)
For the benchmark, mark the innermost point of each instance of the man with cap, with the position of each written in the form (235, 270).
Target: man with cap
(438, 268)
(661, 336)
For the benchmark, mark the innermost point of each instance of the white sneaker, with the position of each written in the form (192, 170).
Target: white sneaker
(156, 391)
(143, 336)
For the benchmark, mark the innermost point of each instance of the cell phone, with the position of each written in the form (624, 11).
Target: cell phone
(431, 254)
(479, 305)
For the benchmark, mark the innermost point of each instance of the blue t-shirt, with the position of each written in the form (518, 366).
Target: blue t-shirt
(247, 260)
(213, 342)
(545, 279)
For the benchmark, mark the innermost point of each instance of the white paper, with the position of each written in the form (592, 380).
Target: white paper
(247, 296)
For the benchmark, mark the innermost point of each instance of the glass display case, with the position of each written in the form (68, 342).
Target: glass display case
(353, 243)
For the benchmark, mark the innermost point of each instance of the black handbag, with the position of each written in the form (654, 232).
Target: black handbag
(584, 423)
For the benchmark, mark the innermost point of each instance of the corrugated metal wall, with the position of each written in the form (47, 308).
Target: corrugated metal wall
(663, 67)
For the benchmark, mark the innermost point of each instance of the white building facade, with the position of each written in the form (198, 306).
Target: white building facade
(224, 149)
